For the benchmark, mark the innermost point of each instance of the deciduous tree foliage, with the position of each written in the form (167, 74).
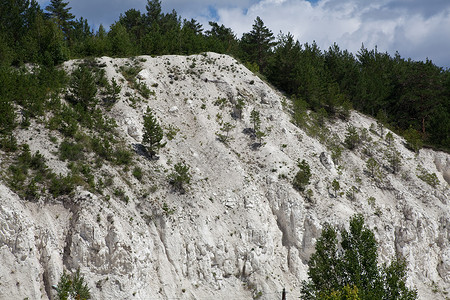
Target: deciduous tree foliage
(349, 266)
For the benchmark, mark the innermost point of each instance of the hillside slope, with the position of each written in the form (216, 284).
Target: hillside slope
(241, 230)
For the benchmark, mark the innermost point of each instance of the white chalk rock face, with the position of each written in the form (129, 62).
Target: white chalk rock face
(239, 230)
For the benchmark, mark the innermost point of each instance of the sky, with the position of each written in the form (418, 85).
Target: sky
(417, 29)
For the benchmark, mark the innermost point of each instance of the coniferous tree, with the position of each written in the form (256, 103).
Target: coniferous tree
(100, 42)
(134, 23)
(154, 14)
(257, 44)
(153, 133)
(83, 87)
(180, 177)
(221, 39)
(283, 66)
(119, 41)
(7, 116)
(255, 118)
(58, 11)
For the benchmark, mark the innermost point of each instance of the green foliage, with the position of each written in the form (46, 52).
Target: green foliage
(119, 41)
(240, 104)
(112, 93)
(72, 287)
(408, 93)
(413, 139)
(352, 138)
(60, 14)
(335, 186)
(349, 265)
(394, 159)
(180, 177)
(303, 176)
(372, 166)
(256, 44)
(153, 133)
(137, 173)
(226, 127)
(171, 131)
(83, 88)
(102, 147)
(255, 119)
(427, 177)
(389, 138)
(8, 143)
(7, 116)
(123, 156)
(70, 151)
(62, 185)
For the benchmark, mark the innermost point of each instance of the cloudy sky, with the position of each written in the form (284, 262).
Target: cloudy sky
(418, 29)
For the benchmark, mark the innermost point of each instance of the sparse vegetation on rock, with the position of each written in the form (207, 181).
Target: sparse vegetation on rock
(180, 177)
(302, 178)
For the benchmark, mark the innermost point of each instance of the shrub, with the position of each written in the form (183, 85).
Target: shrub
(335, 186)
(70, 151)
(429, 178)
(255, 119)
(301, 179)
(352, 138)
(180, 177)
(137, 173)
(72, 287)
(62, 185)
(227, 127)
(389, 138)
(8, 143)
(102, 147)
(7, 116)
(112, 92)
(144, 90)
(123, 157)
(171, 132)
(372, 166)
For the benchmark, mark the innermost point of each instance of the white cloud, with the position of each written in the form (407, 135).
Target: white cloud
(410, 27)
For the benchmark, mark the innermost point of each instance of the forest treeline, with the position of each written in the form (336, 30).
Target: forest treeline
(411, 97)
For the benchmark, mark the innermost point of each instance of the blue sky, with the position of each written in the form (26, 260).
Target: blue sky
(418, 29)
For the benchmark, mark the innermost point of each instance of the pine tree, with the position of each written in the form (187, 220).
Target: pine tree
(7, 116)
(154, 14)
(83, 87)
(73, 287)
(180, 177)
(256, 120)
(221, 39)
(153, 133)
(119, 41)
(58, 11)
(257, 44)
